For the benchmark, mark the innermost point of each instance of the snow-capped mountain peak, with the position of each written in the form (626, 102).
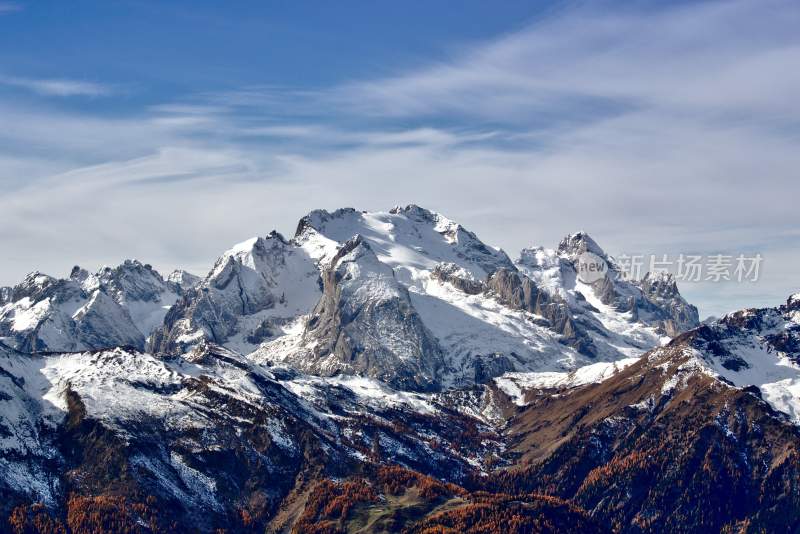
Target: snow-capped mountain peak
(265, 295)
(112, 307)
(252, 292)
(407, 238)
(573, 245)
(183, 279)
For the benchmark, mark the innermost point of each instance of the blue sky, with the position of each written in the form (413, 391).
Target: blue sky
(151, 51)
(168, 131)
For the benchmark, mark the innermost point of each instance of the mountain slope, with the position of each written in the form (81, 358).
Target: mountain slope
(688, 438)
(683, 440)
(210, 434)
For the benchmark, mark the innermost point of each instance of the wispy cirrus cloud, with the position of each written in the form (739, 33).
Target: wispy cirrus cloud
(711, 57)
(57, 87)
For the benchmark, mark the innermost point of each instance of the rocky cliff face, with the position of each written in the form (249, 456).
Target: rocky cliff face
(521, 293)
(251, 291)
(365, 324)
(654, 300)
(664, 304)
(612, 299)
(102, 322)
(5, 295)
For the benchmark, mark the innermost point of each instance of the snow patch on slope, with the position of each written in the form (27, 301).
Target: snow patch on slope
(515, 385)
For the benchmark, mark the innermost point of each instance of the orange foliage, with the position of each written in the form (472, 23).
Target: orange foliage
(329, 503)
(101, 514)
(88, 515)
(637, 460)
(503, 514)
(34, 519)
(396, 480)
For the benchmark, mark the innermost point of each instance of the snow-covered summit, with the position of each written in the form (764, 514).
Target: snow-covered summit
(183, 279)
(409, 239)
(265, 295)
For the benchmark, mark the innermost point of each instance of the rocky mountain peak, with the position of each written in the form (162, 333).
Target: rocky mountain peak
(253, 259)
(354, 248)
(274, 234)
(116, 306)
(660, 284)
(79, 274)
(132, 280)
(38, 286)
(412, 211)
(251, 292)
(88, 281)
(450, 229)
(316, 219)
(183, 279)
(419, 236)
(576, 244)
(536, 258)
(242, 274)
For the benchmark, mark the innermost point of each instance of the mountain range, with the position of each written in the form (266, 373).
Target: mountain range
(389, 371)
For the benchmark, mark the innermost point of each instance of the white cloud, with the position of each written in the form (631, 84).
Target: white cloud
(57, 87)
